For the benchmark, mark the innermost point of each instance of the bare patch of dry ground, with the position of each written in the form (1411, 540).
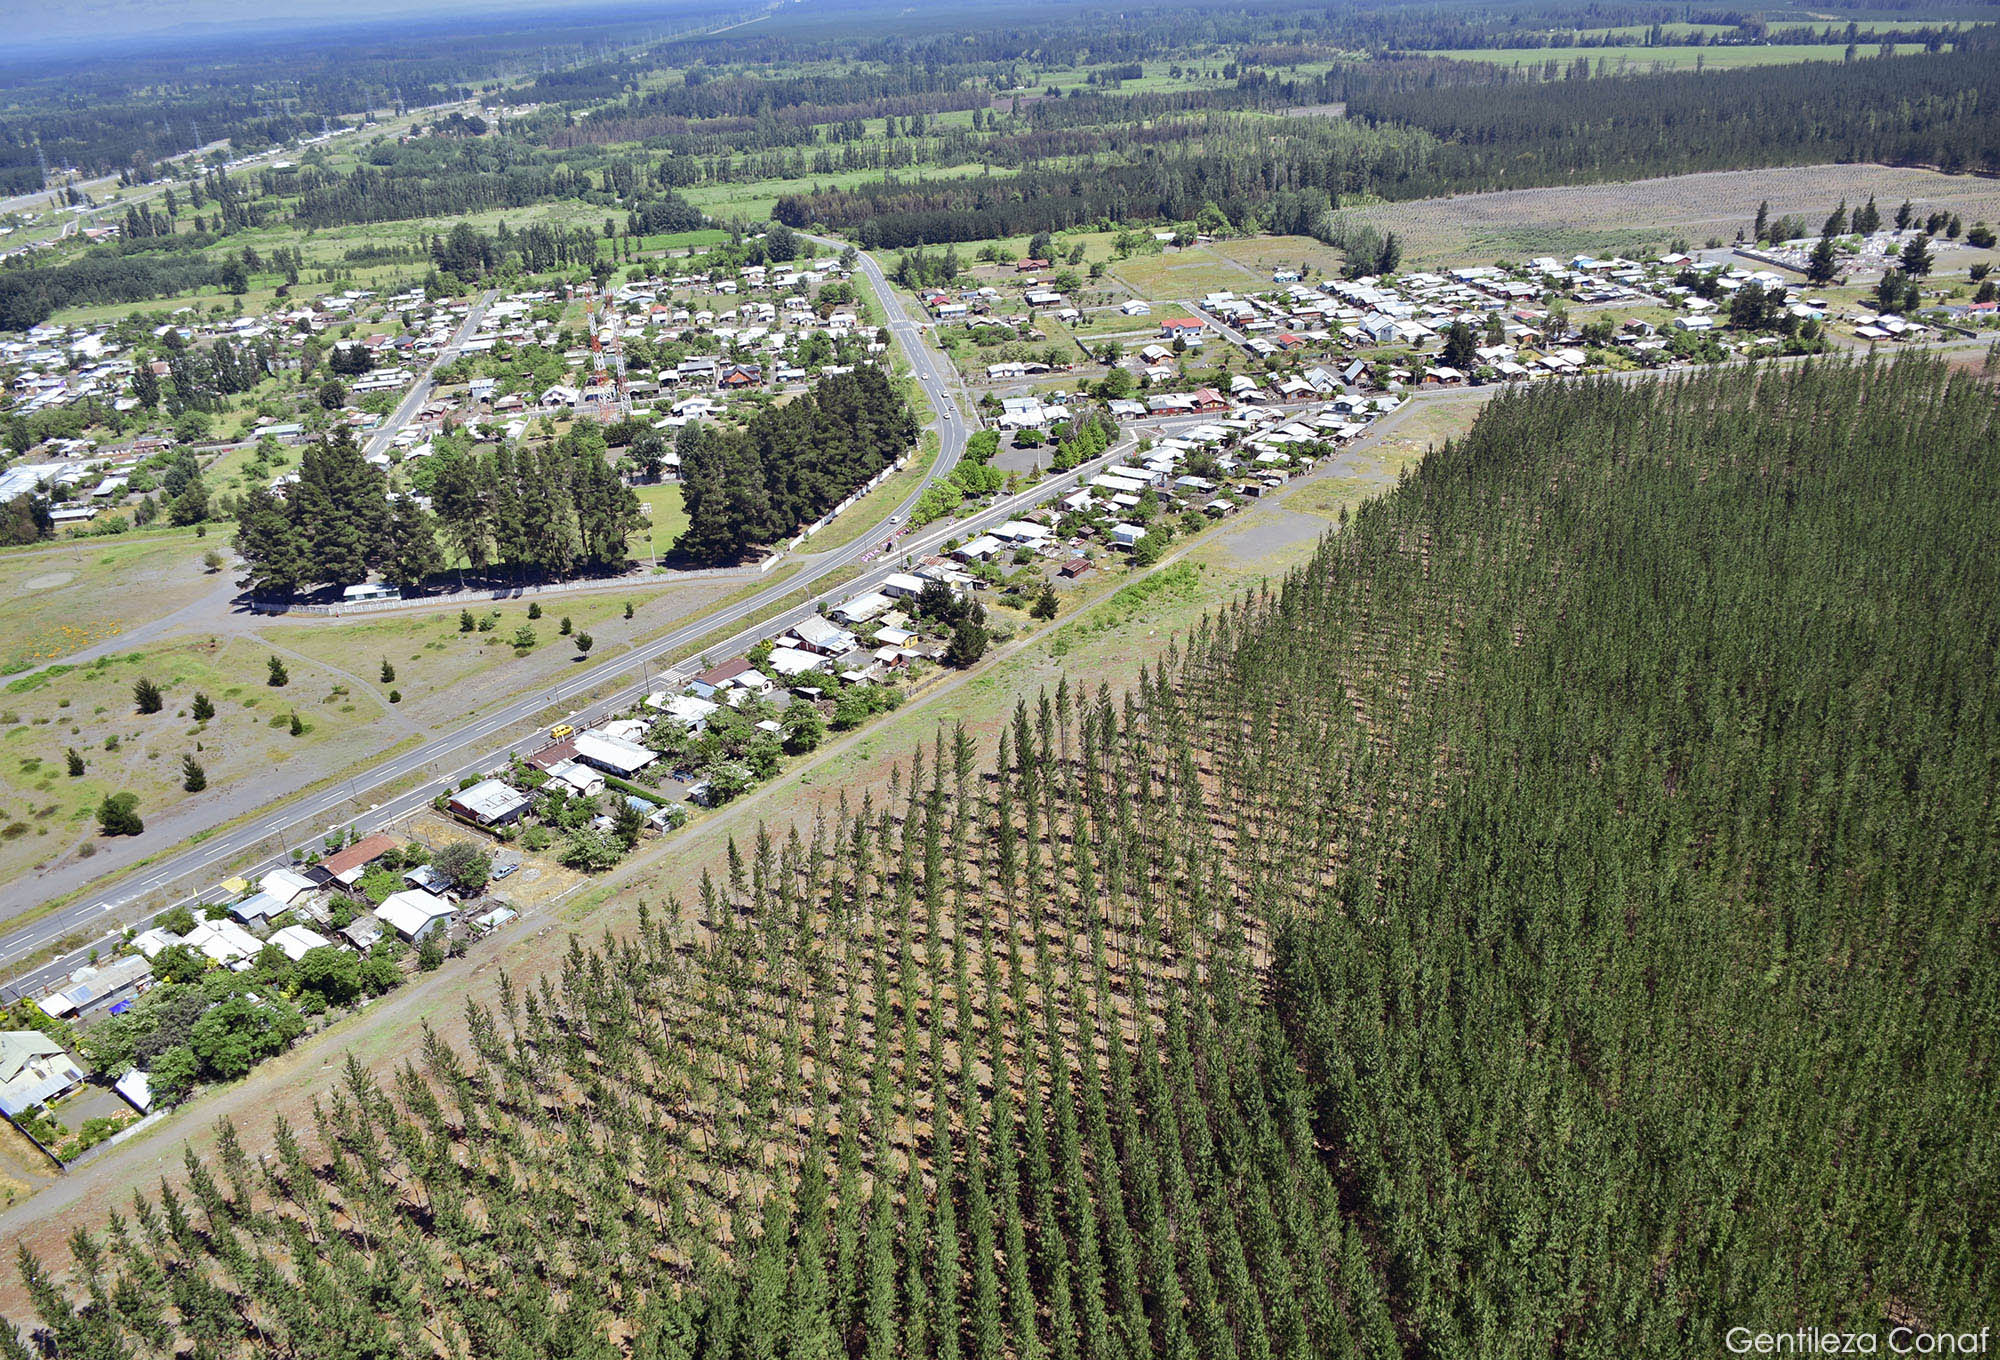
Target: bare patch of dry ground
(1480, 228)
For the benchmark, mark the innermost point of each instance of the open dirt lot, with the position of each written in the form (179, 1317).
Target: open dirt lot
(442, 676)
(61, 598)
(1480, 228)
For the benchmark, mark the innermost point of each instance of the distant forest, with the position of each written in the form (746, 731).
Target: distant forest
(1557, 920)
(1426, 128)
(853, 112)
(128, 111)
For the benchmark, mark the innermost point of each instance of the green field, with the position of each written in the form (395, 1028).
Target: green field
(47, 812)
(1188, 274)
(666, 518)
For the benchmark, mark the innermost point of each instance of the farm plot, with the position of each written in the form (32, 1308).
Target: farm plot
(1190, 273)
(1642, 214)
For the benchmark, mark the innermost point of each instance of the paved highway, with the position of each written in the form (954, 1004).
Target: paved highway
(420, 391)
(446, 759)
(101, 916)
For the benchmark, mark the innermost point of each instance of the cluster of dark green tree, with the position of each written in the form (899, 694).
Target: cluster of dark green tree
(30, 294)
(25, 519)
(790, 464)
(1557, 919)
(1420, 129)
(550, 511)
(201, 1024)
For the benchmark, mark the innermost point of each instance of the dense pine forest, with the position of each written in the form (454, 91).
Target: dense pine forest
(790, 464)
(549, 510)
(1557, 920)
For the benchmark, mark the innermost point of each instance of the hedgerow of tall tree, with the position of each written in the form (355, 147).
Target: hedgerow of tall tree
(790, 465)
(555, 510)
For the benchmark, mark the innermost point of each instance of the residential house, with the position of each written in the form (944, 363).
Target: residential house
(224, 942)
(344, 868)
(791, 662)
(720, 677)
(576, 777)
(297, 942)
(34, 1070)
(612, 755)
(816, 634)
(414, 914)
(429, 880)
(285, 885)
(95, 988)
(685, 709)
(861, 608)
(257, 909)
(489, 803)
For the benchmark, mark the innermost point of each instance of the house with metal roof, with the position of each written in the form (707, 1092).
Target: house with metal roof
(414, 914)
(489, 803)
(34, 1070)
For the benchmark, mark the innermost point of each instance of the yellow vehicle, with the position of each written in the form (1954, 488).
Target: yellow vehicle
(561, 731)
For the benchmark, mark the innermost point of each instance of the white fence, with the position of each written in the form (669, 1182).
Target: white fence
(884, 475)
(496, 593)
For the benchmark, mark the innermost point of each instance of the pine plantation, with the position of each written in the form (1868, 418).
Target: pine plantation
(1558, 920)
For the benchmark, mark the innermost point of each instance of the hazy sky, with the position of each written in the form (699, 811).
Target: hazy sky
(86, 19)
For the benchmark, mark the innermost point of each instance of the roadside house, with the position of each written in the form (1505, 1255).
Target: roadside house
(344, 868)
(489, 803)
(34, 1070)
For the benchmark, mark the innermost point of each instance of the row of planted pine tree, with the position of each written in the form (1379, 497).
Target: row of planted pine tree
(1560, 917)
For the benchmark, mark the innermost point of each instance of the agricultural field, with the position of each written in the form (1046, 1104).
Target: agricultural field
(1640, 59)
(1185, 274)
(1649, 214)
